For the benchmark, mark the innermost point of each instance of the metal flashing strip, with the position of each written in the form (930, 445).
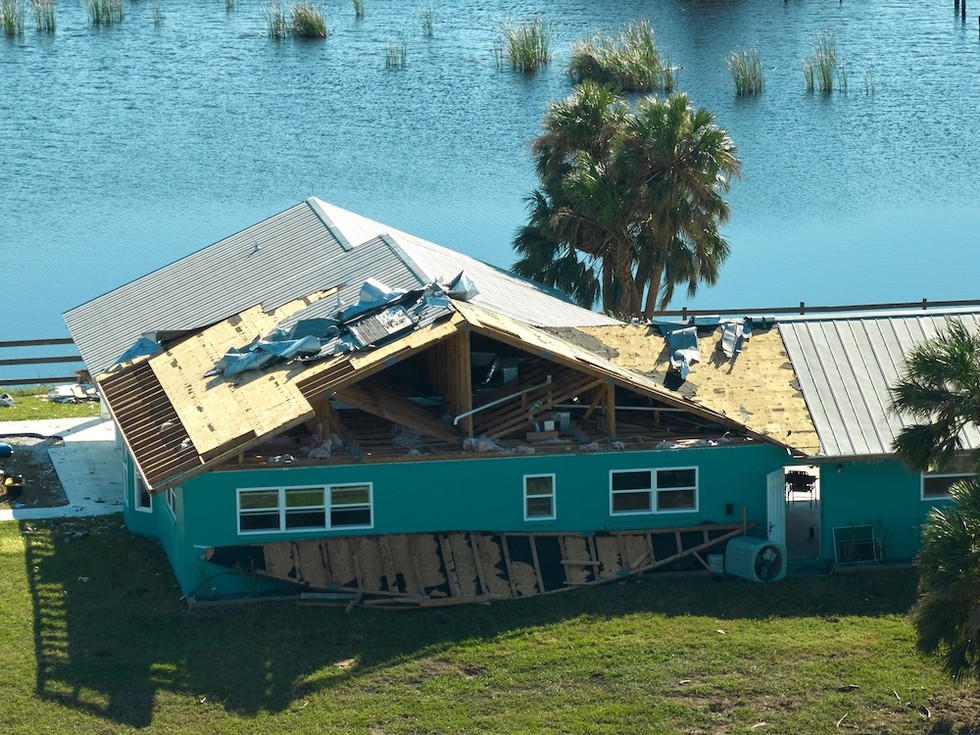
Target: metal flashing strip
(329, 224)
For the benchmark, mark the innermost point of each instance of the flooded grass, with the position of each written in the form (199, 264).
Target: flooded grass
(358, 8)
(631, 62)
(44, 16)
(428, 21)
(396, 55)
(527, 45)
(746, 70)
(104, 12)
(821, 69)
(308, 21)
(12, 17)
(157, 15)
(276, 21)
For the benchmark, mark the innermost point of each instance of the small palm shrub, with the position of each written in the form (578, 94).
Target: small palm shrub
(630, 62)
(527, 45)
(308, 21)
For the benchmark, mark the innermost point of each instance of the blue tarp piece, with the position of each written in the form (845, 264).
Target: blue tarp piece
(143, 346)
(381, 314)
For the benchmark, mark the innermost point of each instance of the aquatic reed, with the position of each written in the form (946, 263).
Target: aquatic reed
(157, 14)
(358, 8)
(44, 18)
(746, 71)
(528, 45)
(396, 54)
(869, 80)
(229, 5)
(428, 21)
(12, 17)
(821, 67)
(104, 12)
(630, 62)
(276, 21)
(842, 76)
(308, 21)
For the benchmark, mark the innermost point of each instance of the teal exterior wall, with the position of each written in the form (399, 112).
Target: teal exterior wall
(884, 494)
(472, 494)
(487, 494)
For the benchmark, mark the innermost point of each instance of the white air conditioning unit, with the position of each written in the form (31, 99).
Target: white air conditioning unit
(755, 559)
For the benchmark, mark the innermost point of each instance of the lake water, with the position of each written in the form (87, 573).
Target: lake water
(124, 148)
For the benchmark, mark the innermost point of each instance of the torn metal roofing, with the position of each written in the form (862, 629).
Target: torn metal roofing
(846, 365)
(310, 247)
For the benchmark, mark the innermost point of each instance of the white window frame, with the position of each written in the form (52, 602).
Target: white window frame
(139, 487)
(172, 502)
(328, 507)
(653, 491)
(550, 495)
(928, 475)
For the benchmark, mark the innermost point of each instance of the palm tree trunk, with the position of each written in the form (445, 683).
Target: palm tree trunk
(653, 289)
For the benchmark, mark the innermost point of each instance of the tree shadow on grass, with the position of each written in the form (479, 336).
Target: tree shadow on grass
(111, 635)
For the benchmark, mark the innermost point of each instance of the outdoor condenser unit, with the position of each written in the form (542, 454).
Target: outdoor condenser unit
(755, 559)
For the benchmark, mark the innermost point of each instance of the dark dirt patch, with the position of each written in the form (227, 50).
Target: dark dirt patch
(42, 488)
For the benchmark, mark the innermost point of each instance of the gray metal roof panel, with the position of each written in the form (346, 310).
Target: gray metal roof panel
(309, 247)
(500, 291)
(846, 366)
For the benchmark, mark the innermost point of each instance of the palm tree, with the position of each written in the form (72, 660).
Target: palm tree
(947, 614)
(940, 387)
(630, 201)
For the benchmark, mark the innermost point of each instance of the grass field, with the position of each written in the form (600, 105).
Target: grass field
(30, 404)
(93, 639)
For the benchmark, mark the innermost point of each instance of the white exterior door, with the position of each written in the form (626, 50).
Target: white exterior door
(776, 506)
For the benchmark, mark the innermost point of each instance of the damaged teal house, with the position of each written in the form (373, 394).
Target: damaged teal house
(320, 404)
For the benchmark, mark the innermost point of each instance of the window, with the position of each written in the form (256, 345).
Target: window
(268, 510)
(172, 501)
(143, 501)
(539, 497)
(936, 486)
(669, 490)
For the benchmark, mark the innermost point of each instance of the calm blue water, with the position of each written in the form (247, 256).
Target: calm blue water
(122, 149)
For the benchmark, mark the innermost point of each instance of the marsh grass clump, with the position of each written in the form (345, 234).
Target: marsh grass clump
(229, 5)
(12, 17)
(631, 62)
(820, 69)
(396, 54)
(157, 15)
(527, 45)
(276, 21)
(358, 8)
(869, 80)
(428, 21)
(104, 12)
(44, 18)
(308, 21)
(746, 70)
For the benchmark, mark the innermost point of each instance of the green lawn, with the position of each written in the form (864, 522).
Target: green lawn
(30, 404)
(119, 653)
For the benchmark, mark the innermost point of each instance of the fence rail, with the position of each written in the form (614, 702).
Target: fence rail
(22, 361)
